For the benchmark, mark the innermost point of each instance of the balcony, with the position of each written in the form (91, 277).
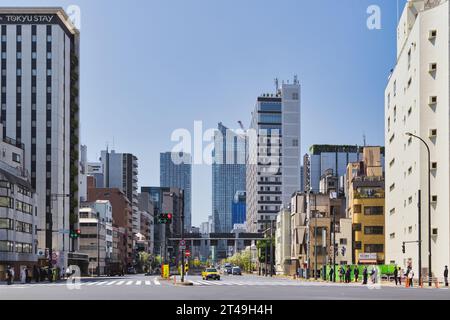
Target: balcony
(371, 194)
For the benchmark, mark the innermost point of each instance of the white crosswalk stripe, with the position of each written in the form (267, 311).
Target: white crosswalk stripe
(120, 283)
(111, 283)
(129, 283)
(148, 283)
(156, 282)
(138, 283)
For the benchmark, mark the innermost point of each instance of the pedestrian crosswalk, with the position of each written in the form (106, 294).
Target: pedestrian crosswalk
(93, 283)
(244, 283)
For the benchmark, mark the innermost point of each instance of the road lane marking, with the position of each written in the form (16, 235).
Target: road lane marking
(111, 282)
(91, 283)
(100, 283)
(129, 283)
(120, 283)
(148, 283)
(138, 283)
(156, 282)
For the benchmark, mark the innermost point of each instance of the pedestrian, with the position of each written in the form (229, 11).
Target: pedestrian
(13, 275)
(446, 276)
(399, 276)
(49, 274)
(365, 274)
(375, 275)
(356, 273)
(331, 274)
(8, 275)
(36, 273)
(396, 275)
(411, 277)
(341, 273)
(348, 274)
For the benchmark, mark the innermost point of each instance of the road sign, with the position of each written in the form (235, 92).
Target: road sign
(182, 247)
(182, 243)
(187, 253)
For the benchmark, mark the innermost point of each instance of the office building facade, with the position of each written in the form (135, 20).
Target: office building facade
(40, 108)
(273, 160)
(176, 172)
(120, 170)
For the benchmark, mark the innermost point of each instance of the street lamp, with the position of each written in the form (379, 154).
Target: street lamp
(429, 212)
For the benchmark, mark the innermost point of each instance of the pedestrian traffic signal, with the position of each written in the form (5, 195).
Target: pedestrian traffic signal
(403, 248)
(165, 218)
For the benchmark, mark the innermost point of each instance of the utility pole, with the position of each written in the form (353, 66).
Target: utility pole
(334, 244)
(315, 237)
(419, 196)
(271, 249)
(182, 235)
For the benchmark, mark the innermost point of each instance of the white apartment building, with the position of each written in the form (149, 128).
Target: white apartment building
(417, 101)
(273, 160)
(283, 242)
(39, 99)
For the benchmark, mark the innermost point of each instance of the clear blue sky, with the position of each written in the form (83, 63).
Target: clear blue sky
(149, 67)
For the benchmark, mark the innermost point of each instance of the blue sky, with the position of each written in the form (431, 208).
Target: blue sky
(150, 67)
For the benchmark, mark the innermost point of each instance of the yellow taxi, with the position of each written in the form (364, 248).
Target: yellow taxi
(210, 273)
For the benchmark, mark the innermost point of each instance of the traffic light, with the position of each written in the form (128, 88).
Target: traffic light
(165, 218)
(403, 248)
(74, 234)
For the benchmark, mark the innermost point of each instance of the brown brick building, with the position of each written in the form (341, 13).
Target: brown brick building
(121, 211)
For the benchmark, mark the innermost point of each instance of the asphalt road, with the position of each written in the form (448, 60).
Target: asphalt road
(246, 287)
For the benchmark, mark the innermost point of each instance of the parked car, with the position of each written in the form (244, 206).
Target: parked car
(236, 271)
(210, 273)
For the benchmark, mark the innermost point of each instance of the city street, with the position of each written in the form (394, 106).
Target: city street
(246, 287)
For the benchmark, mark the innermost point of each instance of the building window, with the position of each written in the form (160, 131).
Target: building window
(392, 162)
(433, 67)
(395, 88)
(392, 236)
(373, 248)
(374, 211)
(295, 96)
(392, 187)
(377, 230)
(433, 133)
(434, 199)
(433, 165)
(358, 245)
(432, 34)
(357, 208)
(33, 38)
(357, 227)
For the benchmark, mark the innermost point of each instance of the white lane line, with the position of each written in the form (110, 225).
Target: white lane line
(111, 282)
(120, 283)
(202, 282)
(100, 283)
(129, 283)
(148, 283)
(138, 283)
(91, 283)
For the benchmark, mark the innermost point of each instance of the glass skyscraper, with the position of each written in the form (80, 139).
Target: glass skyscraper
(228, 177)
(175, 172)
(238, 209)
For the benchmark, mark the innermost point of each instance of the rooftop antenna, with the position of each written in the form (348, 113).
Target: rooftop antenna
(277, 85)
(364, 139)
(295, 79)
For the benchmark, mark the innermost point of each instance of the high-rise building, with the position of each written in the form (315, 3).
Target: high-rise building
(120, 170)
(39, 96)
(273, 161)
(175, 172)
(228, 175)
(95, 169)
(417, 102)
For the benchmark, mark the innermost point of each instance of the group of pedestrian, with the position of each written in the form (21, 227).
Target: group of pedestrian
(39, 274)
(345, 274)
